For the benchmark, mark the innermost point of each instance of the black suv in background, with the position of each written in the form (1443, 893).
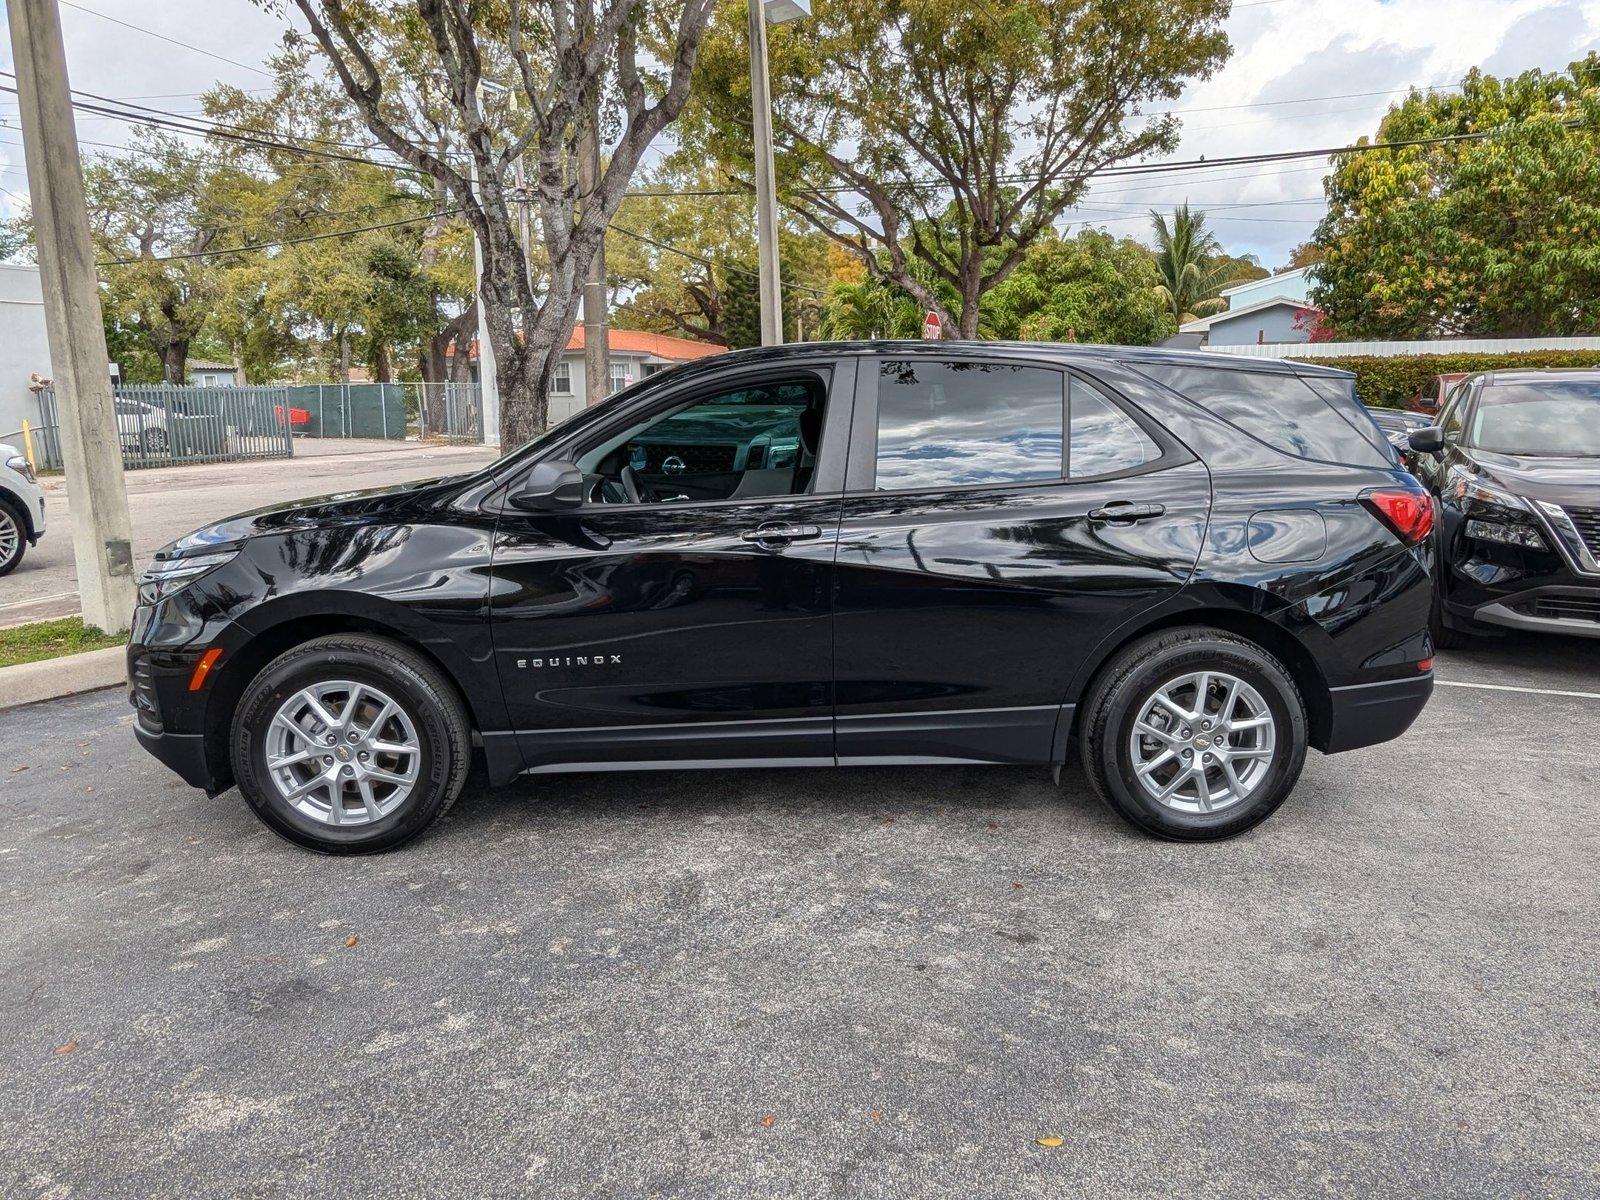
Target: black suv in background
(1518, 482)
(1181, 568)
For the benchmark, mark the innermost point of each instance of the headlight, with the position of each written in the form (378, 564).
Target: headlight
(169, 575)
(1511, 533)
(22, 467)
(1466, 489)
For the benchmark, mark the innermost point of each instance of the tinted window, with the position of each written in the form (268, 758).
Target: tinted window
(1281, 410)
(1549, 417)
(944, 424)
(1102, 438)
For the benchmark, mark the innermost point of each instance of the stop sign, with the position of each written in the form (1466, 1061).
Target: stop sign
(930, 326)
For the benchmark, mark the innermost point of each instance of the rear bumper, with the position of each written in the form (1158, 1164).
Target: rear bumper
(1369, 713)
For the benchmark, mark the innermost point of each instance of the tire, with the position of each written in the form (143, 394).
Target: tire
(1130, 682)
(13, 538)
(155, 442)
(364, 814)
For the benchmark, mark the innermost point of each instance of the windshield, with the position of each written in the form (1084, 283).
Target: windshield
(1550, 418)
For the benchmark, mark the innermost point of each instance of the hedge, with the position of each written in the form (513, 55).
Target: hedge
(1392, 382)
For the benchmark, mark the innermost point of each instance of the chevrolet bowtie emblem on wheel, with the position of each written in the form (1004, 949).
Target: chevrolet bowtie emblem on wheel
(572, 660)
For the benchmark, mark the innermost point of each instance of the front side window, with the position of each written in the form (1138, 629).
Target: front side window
(743, 443)
(1102, 439)
(1558, 418)
(955, 424)
(1282, 410)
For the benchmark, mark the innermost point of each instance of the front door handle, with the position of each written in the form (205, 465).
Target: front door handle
(774, 534)
(1126, 512)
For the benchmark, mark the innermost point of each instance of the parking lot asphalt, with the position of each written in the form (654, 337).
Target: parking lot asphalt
(863, 982)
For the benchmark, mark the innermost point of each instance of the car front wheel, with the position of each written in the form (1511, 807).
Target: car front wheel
(13, 538)
(350, 744)
(1194, 734)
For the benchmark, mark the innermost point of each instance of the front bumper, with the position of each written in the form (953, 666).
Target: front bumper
(1366, 714)
(185, 753)
(1574, 612)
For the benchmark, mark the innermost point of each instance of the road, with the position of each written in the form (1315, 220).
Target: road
(167, 502)
(865, 982)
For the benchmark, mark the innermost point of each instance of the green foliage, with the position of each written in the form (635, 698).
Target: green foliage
(1191, 267)
(869, 309)
(1491, 238)
(872, 94)
(1392, 382)
(1088, 288)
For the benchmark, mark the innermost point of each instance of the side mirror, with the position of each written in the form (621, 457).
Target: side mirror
(1427, 404)
(1427, 440)
(549, 487)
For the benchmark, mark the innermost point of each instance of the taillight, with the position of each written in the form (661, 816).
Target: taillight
(1407, 511)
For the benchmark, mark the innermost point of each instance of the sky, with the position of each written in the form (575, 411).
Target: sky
(1299, 77)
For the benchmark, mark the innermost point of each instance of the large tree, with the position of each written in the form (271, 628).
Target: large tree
(938, 139)
(1088, 288)
(461, 90)
(1498, 236)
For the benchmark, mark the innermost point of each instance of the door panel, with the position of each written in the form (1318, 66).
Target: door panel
(974, 610)
(657, 627)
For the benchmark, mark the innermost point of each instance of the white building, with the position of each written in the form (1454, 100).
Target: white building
(24, 349)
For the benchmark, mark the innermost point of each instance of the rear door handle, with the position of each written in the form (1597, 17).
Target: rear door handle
(775, 535)
(1126, 512)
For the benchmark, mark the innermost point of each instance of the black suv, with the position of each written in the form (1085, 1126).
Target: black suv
(1518, 482)
(1184, 568)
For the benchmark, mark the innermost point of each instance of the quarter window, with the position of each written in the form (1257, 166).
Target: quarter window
(1102, 439)
(1281, 410)
(951, 424)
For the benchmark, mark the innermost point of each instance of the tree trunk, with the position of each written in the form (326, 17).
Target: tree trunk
(175, 361)
(344, 356)
(383, 362)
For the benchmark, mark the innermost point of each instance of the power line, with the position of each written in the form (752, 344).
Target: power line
(294, 241)
(233, 62)
(700, 258)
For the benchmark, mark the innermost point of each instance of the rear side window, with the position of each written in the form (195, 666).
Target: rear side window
(1102, 439)
(1282, 410)
(949, 424)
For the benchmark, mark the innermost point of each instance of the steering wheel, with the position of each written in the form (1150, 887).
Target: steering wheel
(630, 486)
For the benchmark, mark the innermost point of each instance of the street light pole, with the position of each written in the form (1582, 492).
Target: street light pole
(102, 539)
(766, 185)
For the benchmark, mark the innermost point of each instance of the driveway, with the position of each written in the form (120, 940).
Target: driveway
(167, 502)
(866, 982)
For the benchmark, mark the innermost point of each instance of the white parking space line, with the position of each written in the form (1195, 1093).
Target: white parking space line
(37, 600)
(1506, 687)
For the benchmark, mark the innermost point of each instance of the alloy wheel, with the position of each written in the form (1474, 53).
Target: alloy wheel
(1202, 742)
(343, 753)
(10, 535)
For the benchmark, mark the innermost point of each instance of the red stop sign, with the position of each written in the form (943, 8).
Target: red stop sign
(931, 327)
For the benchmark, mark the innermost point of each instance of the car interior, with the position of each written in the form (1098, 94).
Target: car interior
(758, 440)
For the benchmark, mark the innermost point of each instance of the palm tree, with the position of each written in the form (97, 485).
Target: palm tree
(1186, 254)
(857, 311)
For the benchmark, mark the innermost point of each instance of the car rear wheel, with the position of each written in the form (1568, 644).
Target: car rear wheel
(350, 744)
(13, 538)
(1194, 734)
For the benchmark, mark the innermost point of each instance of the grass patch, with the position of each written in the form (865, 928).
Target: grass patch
(52, 639)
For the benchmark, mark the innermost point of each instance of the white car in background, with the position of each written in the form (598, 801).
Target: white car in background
(142, 427)
(21, 508)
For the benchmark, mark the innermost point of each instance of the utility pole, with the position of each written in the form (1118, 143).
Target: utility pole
(778, 12)
(766, 184)
(102, 538)
(596, 333)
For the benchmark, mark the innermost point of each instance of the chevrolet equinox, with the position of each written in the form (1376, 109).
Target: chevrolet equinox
(1180, 569)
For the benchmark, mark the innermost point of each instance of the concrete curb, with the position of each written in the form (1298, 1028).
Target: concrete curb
(53, 678)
